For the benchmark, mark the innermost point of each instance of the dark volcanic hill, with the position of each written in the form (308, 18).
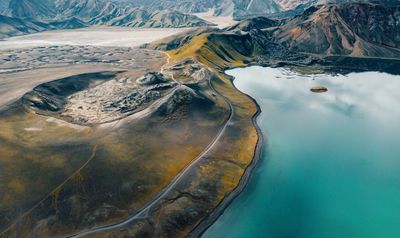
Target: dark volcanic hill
(35, 9)
(345, 29)
(71, 23)
(10, 26)
(254, 23)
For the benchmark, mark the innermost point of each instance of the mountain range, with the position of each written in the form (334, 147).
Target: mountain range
(11, 26)
(364, 29)
(48, 9)
(347, 29)
(236, 8)
(28, 16)
(35, 9)
(138, 17)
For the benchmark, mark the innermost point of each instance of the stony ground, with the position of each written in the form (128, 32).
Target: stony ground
(23, 69)
(89, 134)
(115, 99)
(49, 56)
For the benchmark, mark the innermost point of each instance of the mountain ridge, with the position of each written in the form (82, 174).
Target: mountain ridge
(63, 14)
(10, 26)
(348, 29)
(362, 29)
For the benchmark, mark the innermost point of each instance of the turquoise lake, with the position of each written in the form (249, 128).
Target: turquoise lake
(331, 161)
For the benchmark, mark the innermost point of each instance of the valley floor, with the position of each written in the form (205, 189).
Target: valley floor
(96, 36)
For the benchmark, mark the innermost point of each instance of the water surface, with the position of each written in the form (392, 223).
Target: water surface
(331, 162)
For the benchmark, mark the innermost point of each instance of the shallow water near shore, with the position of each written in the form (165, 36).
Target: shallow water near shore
(331, 161)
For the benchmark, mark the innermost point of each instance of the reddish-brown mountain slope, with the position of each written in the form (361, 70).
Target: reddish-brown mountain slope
(344, 29)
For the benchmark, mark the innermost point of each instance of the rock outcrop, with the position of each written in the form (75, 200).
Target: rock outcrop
(104, 97)
(151, 78)
(181, 96)
(319, 89)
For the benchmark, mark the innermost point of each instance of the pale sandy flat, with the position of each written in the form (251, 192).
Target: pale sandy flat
(97, 36)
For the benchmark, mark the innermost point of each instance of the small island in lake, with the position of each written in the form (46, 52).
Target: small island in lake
(319, 89)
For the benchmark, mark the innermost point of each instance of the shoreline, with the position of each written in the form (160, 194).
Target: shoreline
(203, 226)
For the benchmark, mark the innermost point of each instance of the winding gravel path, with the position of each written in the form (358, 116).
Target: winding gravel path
(144, 211)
